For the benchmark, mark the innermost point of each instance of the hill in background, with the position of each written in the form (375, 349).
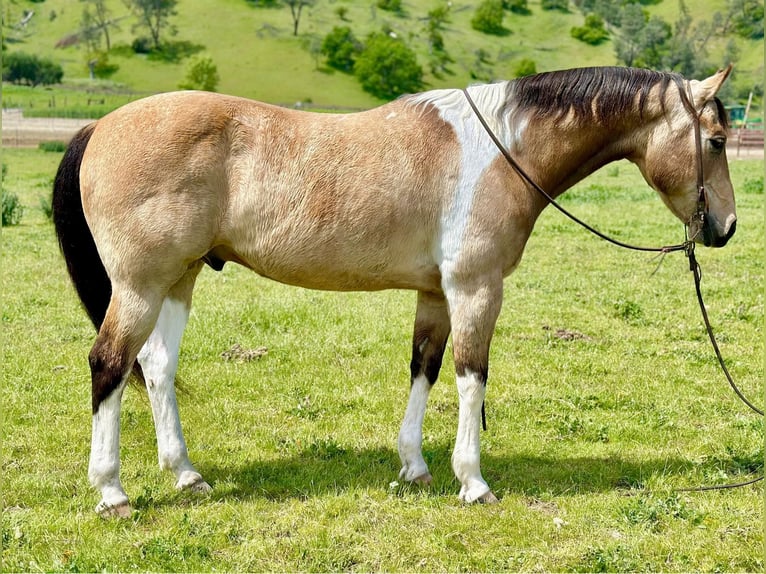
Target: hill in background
(258, 56)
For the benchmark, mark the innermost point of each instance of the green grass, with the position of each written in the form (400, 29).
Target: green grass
(258, 57)
(587, 438)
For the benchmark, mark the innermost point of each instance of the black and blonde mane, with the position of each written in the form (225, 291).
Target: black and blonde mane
(592, 94)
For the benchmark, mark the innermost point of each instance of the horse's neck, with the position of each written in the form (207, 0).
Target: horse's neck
(558, 153)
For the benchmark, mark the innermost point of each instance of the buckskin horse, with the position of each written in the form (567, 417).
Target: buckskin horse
(413, 194)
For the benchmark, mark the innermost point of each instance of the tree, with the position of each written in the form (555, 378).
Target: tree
(341, 48)
(439, 57)
(488, 17)
(201, 74)
(387, 68)
(296, 8)
(95, 22)
(747, 18)
(632, 19)
(646, 46)
(154, 15)
(23, 68)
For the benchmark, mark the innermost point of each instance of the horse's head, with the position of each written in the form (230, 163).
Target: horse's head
(674, 162)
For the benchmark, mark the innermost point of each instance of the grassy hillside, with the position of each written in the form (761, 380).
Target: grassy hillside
(257, 55)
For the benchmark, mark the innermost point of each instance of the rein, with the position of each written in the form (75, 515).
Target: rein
(688, 246)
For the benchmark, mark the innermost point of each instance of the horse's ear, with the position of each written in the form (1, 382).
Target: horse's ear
(706, 90)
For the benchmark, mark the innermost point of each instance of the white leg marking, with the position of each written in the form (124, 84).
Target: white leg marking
(465, 458)
(159, 361)
(414, 468)
(104, 466)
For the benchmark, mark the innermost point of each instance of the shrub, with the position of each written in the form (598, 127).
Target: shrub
(57, 146)
(593, 32)
(12, 209)
(488, 17)
(390, 5)
(524, 67)
(387, 68)
(23, 68)
(141, 45)
(341, 48)
(201, 74)
(560, 5)
(100, 66)
(753, 185)
(517, 6)
(46, 206)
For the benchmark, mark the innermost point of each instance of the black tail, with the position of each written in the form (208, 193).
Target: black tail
(75, 239)
(83, 262)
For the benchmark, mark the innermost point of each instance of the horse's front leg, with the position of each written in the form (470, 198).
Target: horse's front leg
(429, 339)
(474, 309)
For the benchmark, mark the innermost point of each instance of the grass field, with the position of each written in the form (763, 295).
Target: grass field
(587, 440)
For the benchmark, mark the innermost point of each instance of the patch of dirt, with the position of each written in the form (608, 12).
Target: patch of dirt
(567, 335)
(239, 355)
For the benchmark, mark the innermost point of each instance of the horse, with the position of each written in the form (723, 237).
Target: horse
(412, 194)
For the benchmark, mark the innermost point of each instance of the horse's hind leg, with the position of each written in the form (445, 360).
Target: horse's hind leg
(159, 360)
(432, 327)
(127, 323)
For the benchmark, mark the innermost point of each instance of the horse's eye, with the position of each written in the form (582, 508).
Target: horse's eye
(718, 143)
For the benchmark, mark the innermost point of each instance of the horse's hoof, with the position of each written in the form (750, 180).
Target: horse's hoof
(487, 498)
(423, 479)
(200, 487)
(193, 482)
(479, 494)
(121, 510)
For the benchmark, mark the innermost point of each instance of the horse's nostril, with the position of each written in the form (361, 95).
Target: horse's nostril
(722, 240)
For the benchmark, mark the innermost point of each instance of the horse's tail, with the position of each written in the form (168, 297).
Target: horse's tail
(75, 239)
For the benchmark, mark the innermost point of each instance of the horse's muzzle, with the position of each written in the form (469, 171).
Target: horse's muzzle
(711, 237)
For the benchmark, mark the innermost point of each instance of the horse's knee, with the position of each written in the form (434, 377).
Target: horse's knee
(432, 328)
(427, 355)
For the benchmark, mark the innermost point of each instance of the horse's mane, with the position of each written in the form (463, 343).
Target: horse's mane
(601, 94)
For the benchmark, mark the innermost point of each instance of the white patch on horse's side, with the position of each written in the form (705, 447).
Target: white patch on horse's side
(159, 361)
(391, 116)
(477, 154)
(411, 434)
(465, 458)
(104, 465)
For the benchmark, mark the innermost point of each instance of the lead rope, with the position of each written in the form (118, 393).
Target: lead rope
(687, 247)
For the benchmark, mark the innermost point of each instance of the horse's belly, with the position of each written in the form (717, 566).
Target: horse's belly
(333, 277)
(341, 266)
